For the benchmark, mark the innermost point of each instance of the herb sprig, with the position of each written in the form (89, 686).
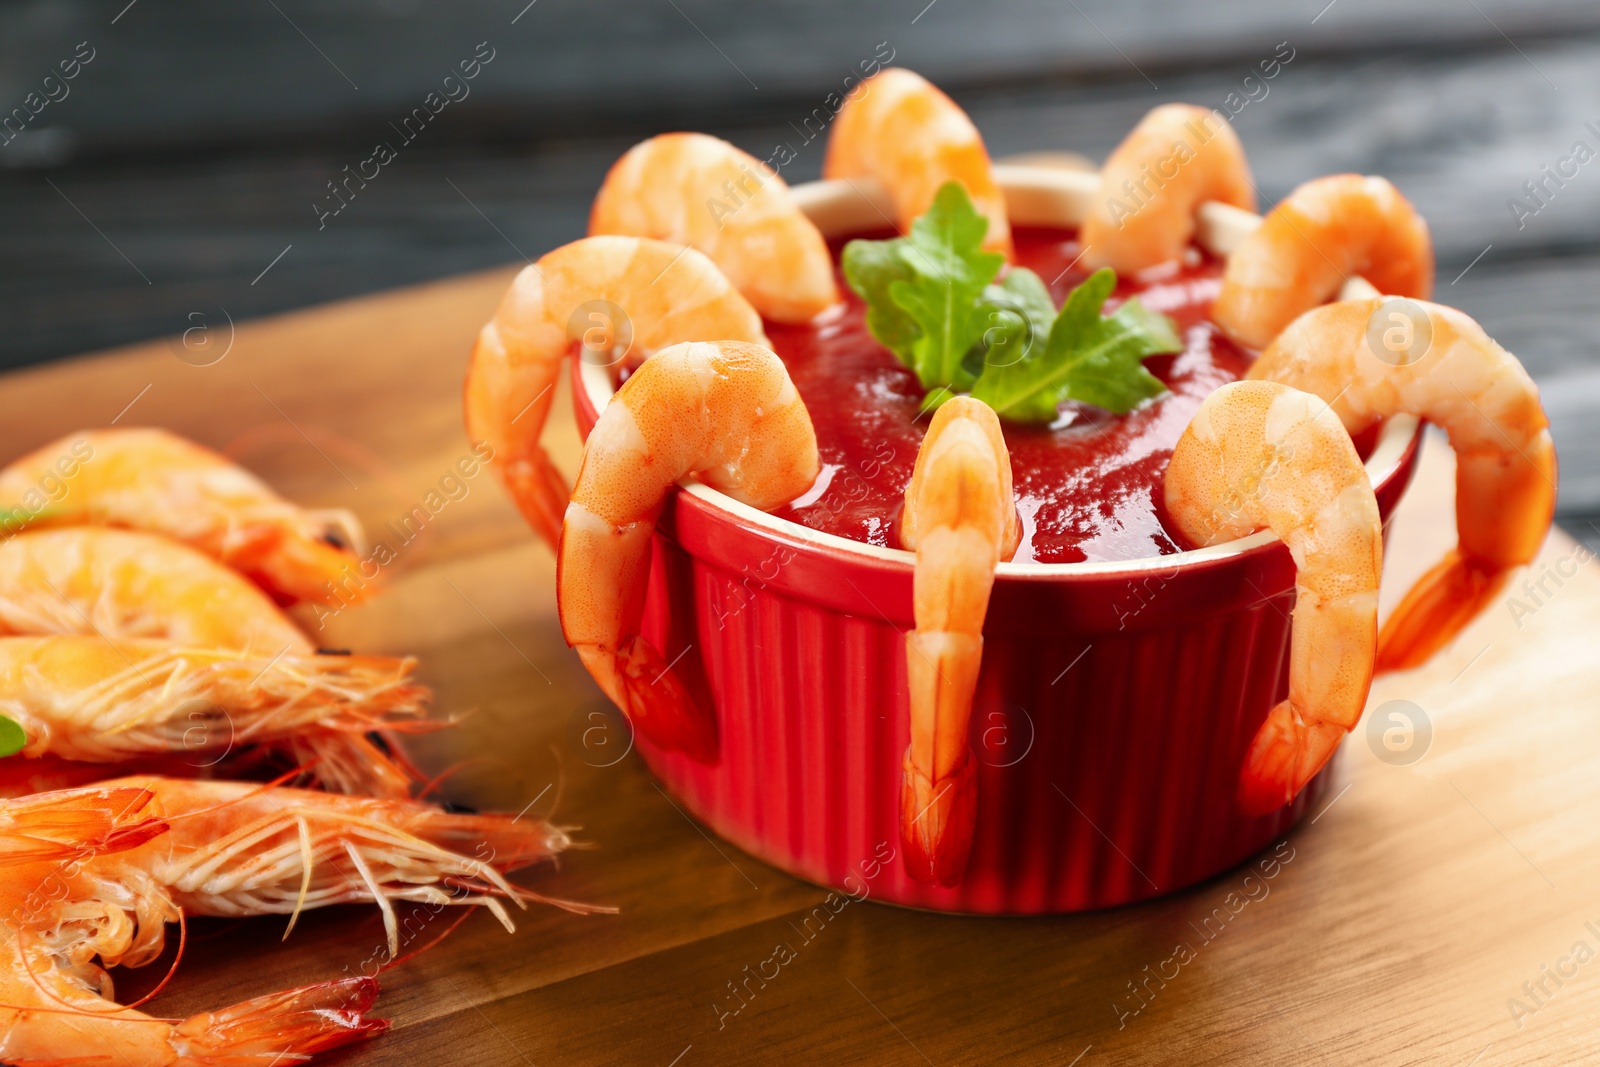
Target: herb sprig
(932, 299)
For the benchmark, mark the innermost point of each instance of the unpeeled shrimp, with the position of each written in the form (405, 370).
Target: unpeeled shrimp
(1437, 363)
(1317, 238)
(627, 293)
(57, 1006)
(101, 701)
(961, 519)
(898, 128)
(1263, 455)
(725, 411)
(237, 848)
(225, 848)
(700, 191)
(1178, 157)
(118, 583)
(148, 479)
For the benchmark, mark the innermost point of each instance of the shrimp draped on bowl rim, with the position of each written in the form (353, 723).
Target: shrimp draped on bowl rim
(707, 398)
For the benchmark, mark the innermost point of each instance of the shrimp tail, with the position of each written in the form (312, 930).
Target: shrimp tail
(540, 492)
(1287, 752)
(939, 803)
(650, 693)
(937, 817)
(287, 1027)
(1440, 605)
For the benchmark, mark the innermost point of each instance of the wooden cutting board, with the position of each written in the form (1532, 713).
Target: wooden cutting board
(1399, 926)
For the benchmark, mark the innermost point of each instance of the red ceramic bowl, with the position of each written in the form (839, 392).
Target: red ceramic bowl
(1112, 715)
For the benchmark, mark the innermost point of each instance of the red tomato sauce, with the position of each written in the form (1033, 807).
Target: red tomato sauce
(1088, 487)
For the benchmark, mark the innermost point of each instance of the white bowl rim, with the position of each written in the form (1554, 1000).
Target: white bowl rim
(1393, 439)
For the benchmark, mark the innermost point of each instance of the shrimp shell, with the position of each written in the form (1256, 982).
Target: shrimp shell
(148, 479)
(118, 583)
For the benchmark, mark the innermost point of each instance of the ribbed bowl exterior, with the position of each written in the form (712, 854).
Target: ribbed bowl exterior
(1112, 716)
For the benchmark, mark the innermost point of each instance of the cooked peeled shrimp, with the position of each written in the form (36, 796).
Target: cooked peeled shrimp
(961, 520)
(100, 701)
(1153, 183)
(725, 411)
(898, 128)
(620, 292)
(700, 191)
(1318, 236)
(117, 583)
(153, 480)
(1478, 393)
(1260, 454)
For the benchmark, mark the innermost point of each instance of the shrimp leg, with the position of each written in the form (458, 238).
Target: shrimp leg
(960, 518)
(1260, 454)
(726, 411)
(99, 701)
(1479, 394)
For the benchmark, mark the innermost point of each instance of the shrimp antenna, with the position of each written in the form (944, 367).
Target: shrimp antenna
(395, 961)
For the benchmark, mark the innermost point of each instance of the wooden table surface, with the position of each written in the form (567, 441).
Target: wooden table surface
(1400, 926)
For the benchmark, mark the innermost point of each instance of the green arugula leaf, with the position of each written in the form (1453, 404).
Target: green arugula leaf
(1088, 357)
(924, 291)
(1019, 313)
(12, 737)
(871, 267)
(933, 301)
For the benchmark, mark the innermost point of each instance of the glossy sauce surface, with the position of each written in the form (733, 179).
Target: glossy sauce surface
(1088, 487)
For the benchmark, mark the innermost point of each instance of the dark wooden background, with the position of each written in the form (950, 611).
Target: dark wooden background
(190, 150)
